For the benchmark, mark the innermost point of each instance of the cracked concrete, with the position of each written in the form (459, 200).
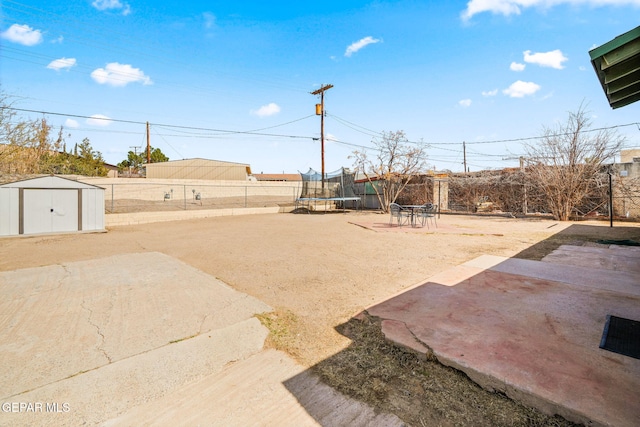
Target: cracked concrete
(182, 348)
(530, 329)
(100, 347)
(62, 320)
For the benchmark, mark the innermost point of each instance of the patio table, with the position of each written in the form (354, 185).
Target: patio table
(413, 209)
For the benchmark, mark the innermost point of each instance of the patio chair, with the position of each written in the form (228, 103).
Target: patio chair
(399, 215)
(427, 213)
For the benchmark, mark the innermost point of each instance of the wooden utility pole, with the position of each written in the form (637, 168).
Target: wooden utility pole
(320, 111)
(524, 186)
(464, 155)
(148, 145)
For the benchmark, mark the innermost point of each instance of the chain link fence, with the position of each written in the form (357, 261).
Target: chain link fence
(511, 192)
(173, 196)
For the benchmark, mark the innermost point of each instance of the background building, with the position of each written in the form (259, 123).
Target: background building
(199, 169)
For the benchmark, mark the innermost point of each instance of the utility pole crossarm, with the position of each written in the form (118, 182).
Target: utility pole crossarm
(321, 90)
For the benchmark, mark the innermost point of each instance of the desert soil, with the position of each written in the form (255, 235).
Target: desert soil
(316, 270)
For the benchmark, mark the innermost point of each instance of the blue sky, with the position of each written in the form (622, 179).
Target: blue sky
(232, 80)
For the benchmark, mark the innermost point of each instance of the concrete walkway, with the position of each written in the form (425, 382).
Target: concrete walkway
(144, 339)
(531, 329)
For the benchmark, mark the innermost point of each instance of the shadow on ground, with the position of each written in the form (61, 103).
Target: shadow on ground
(579, 234)
(420, 390)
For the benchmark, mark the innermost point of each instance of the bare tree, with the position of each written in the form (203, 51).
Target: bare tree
(568, 159)
(395, 163)
(29, 146)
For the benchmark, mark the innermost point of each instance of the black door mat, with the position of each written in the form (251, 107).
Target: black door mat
(621, 336)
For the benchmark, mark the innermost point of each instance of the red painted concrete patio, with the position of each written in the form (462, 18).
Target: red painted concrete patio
(532, 329)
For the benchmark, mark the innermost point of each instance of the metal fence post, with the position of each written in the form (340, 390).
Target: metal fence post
(610, 199)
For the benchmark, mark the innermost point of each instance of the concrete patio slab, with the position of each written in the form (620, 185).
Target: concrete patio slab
(440, 228)
(103, 334)
(101, 393)
(597, 257)
(529, 329)
(144, 339)
(624, 281)
(266, 389)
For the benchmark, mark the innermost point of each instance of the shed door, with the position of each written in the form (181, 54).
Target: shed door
(50, 211)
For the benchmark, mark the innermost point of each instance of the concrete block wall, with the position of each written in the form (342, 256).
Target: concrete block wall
(155, 189)
(627, 189)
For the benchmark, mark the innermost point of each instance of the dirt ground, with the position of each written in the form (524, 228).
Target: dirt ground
(319, 270)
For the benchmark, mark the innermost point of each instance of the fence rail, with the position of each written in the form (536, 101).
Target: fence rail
(136, 195)
(143, 197)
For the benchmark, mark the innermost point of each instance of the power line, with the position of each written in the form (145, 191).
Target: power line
(167, 142)
(493, 141)
(217, 133)
(224, 131)
(252, 131)
(354, 126)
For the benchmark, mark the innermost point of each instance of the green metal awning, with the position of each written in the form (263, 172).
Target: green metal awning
(617, 64)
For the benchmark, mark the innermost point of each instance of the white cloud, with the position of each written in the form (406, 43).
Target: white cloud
(99, 120)
(466, 103)
(515, 66)
(112, 5)
(515, 7)
(62, 63)
(22, 34)
(116, 74)
(209, 20)
(547, 96)
(58, 40)
(490, 92)
(267, 110)
(356, 46)
(552, 59)
(70, 123)
(521, 89)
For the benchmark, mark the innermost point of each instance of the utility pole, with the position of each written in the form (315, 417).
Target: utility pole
(148, 145)
(135, 151)
(524, 186)
(464, 155)
(320, 111)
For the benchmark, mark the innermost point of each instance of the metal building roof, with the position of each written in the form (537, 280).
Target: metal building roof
(617, 65)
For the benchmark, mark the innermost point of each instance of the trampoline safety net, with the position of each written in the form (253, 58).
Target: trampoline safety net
(339, 183)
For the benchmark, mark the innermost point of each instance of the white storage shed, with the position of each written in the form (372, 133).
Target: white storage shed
(50, 204)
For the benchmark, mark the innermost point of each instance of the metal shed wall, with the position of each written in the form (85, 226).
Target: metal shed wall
(50, 205)
(198, 169)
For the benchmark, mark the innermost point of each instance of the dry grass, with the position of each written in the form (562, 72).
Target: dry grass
(424, 392)
(283, 330)
(580, 235)
(420, 392)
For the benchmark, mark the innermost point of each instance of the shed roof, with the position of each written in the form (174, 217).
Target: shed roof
(617, 65)
(48, 181)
